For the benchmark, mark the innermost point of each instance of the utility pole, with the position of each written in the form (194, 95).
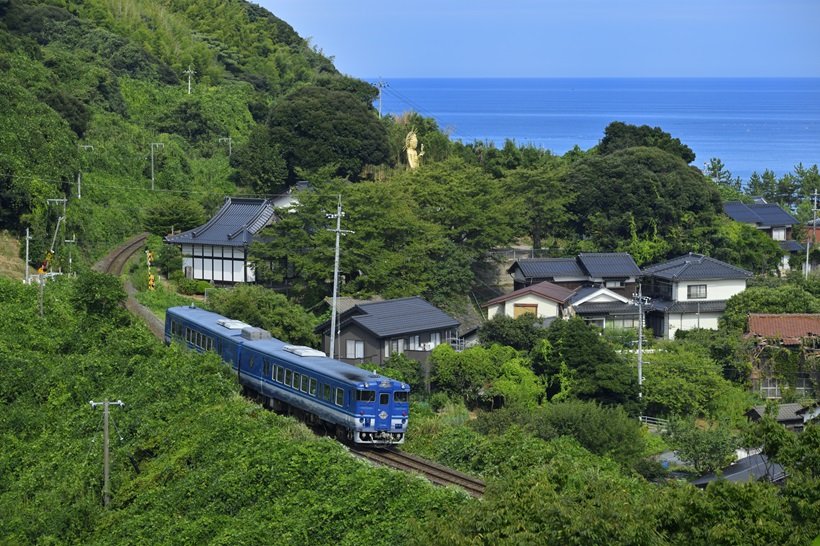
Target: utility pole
(190, 73)
(106, 463)
(339, 231)
(154, 145)
(813, 241)
(228, 140)
(73, 240)
(640, 300)
(84, 147)
(381, 85)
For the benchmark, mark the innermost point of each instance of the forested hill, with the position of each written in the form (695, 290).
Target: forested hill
(89, 86)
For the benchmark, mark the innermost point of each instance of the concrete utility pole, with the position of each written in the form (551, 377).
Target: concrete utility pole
(190, 73)
(640, 300)
(106, 463)
(154, 145)
(73, 241)
(228, 140)
(339, 231)
(381, 85)
(813, 241)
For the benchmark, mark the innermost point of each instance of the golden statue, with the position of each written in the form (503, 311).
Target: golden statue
(411, 142)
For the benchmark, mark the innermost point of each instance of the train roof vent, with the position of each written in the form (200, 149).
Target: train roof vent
(302, 350)
(254, 334)
(231, 324)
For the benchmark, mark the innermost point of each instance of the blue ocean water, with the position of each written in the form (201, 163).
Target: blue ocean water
(751, 124)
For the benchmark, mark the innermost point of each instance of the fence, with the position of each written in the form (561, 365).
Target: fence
(654, 424)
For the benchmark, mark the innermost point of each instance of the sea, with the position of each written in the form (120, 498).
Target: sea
(751, 124)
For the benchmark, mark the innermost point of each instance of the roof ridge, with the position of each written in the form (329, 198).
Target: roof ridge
(196, 232)
(263, 208)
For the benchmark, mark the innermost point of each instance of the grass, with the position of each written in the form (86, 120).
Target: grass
(11, 265)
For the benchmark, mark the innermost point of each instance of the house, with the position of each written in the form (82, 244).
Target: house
(604, 308)
(787, 415)
(372, 332)
(218, 250)
(770, 218)
(690, 292)
(796, 332)
(749, 469)
(614, 270)
(544, 300)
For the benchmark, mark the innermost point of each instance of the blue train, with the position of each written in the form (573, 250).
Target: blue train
(363, 407)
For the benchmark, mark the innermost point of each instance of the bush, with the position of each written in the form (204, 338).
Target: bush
(190, 287)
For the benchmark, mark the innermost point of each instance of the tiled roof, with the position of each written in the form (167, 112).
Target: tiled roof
(545, 289)
(760, 214)
(610, 308)
(792, 246)
(785, 412)
(235, 224)
(397, 317)
(695, 267)
(609, 264)
(548, 268)
(789, 328)
(668, 306)
(750, 469)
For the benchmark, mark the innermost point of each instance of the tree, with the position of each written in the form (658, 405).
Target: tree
(619, 136)
(706, 448)
(521, 333)
(259, 164)
(728, 185)
(543, 200)
(469, 373)
(177, 213)
(317, 126)
(266, 309)
(575, 354)
(762, 299)
(98, 294)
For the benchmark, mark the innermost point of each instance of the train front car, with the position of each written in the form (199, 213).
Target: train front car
(381, 407)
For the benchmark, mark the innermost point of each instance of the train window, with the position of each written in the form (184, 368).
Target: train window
(198, 339)
(296, 379)
(288, 378)
(384, 398)
(187, 334)
(312, 387)
(208, 343)
(265, 368)
(305, 380)
(326, 393)
(365, 396)
(219, 346)
(340, 397)
(280, 374)
(400, 396)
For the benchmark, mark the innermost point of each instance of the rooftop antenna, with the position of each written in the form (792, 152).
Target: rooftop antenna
(339, 231)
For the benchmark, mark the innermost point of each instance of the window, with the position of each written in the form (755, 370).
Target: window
(304, 387)
(396, 346)
(187, 334)
(288, 378)
(614, 284)
(400, 396)
(312, 389)
(779, 234)
(769, 388)
(365, 396)
(326, 393)
(354, 348)
(696, 291)
(340, 397)
(435, 339)
(265, 368)
(413, 343)
(384, 398)
(297, 378)
(524, 308)
(280, 374)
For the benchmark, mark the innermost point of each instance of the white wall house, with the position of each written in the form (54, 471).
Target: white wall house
(690, 292)
(544, 300)
(218, 250)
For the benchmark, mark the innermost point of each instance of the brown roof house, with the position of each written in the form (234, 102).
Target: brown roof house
(786, 352)
(544, 300)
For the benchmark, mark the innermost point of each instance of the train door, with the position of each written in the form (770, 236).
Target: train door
(383, 407)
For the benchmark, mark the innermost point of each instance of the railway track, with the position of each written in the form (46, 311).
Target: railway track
(436, 473)
(114, 264)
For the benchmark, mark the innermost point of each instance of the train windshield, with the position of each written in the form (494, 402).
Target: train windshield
(400, 396)
(365, 396)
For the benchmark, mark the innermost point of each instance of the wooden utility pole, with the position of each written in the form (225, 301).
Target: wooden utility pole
(106, 463)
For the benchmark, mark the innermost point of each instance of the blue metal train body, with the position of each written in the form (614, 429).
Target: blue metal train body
(364, 407)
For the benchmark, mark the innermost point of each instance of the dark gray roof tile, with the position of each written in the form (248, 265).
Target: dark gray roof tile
(695, 267)
(235, 224)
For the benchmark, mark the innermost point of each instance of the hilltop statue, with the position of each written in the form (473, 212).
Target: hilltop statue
(411, 142)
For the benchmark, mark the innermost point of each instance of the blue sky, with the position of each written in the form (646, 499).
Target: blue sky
(561, 38)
